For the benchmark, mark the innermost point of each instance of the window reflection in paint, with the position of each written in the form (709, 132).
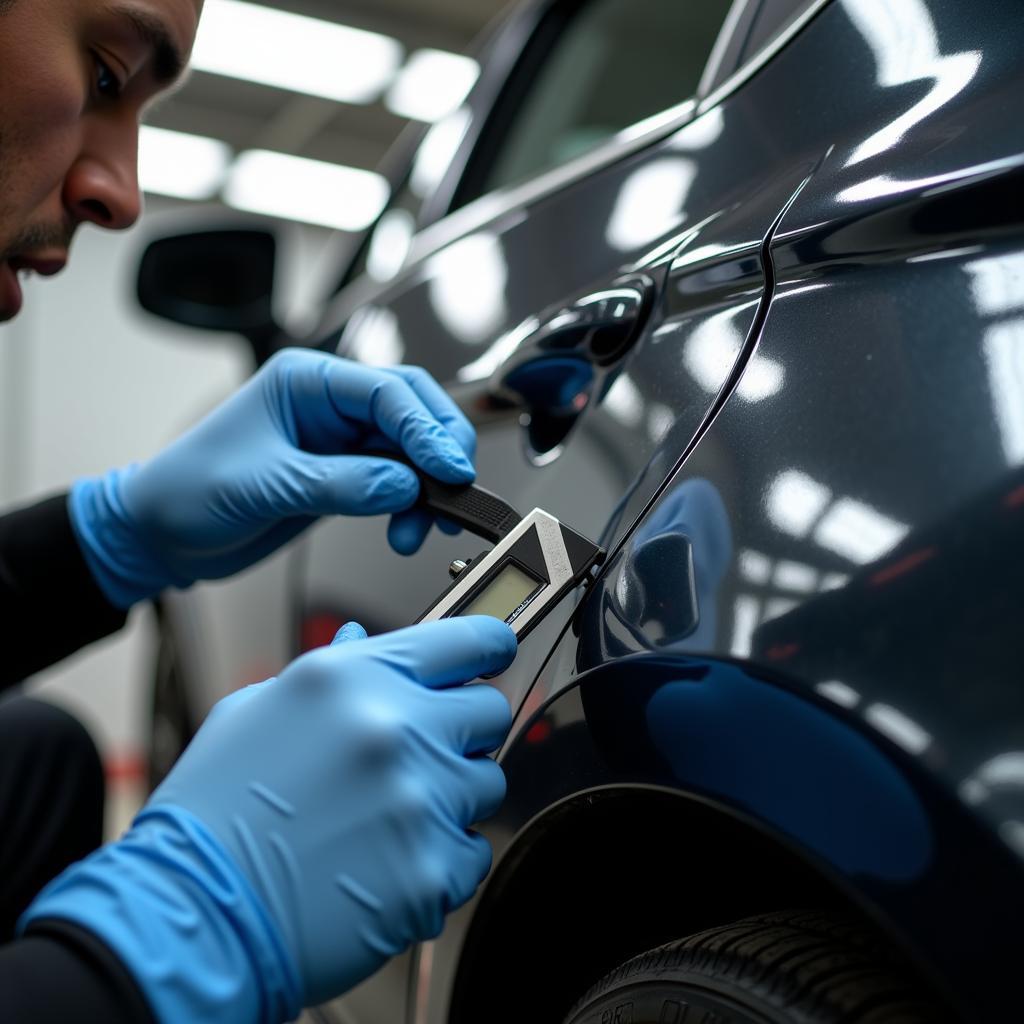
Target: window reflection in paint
(905, 44)
(711, 352)
(467, 287)
(373, 337)
(390, 244)
(1004, 354)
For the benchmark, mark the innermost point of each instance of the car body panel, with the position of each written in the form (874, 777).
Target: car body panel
(854, 806)
(806, 472)
(468, 306)
(852, 535)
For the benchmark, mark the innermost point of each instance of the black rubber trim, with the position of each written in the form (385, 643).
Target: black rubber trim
(473, 508)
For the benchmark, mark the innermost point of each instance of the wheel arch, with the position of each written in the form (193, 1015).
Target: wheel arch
(589, 884)
(594, 824)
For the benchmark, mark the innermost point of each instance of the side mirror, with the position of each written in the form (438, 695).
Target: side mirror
(216, 280)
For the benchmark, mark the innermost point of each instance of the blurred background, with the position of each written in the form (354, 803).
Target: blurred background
(285, 119)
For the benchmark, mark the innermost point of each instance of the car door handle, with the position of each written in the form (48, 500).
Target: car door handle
(599, 327)
(551, 374)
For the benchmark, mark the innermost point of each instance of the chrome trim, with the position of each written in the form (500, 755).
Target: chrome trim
(492, 206)
(762, 57)
(721, 47)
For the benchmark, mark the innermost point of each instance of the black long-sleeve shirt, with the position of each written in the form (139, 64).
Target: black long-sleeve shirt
(50, 606)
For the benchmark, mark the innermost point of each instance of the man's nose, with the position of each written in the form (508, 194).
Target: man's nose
(102, 186)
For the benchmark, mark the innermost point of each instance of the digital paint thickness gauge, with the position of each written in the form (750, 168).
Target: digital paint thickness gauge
(535, 561)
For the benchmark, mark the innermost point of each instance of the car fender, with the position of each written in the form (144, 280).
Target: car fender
(786, 775)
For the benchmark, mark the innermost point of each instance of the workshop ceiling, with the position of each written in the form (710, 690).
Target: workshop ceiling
(251, 116)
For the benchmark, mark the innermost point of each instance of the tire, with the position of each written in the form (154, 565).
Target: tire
(171, 722)
(791, 967)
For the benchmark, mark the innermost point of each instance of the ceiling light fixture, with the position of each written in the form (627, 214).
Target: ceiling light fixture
(180, 165)
(432, 84)
(858, 532)
(295, 188)
(292, 51)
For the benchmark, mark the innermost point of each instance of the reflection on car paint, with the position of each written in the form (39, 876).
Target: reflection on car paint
(905, 43)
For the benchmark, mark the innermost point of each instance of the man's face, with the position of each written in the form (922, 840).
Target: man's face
(75, 77)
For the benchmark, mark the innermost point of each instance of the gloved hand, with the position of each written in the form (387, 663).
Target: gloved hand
(280, 452)
(316, 825)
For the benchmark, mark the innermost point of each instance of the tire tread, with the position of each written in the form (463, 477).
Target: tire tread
(815, 967)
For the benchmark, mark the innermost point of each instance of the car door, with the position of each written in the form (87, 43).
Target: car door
(660, 227)
(674, 211)
(855, 527)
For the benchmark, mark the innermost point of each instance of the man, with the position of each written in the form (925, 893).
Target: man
(319, 822)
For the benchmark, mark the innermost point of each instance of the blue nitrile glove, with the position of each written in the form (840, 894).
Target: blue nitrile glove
(280, 452)
(315, 826)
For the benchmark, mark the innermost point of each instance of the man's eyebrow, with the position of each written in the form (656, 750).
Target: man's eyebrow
(168, 60)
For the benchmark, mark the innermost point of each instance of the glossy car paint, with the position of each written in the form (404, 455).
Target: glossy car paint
(849, 682)
(800, 658)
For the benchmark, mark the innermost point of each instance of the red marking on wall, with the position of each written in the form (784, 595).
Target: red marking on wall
(125, 768)
(907, 564)
(319, 631)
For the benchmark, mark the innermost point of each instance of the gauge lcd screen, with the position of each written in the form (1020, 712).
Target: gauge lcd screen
(504, 594)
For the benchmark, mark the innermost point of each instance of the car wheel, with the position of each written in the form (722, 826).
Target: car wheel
(791, 967)
(171, 721)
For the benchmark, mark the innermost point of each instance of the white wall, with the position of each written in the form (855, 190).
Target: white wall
(87, 382)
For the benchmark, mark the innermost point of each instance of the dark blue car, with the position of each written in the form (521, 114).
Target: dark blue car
(737, 291)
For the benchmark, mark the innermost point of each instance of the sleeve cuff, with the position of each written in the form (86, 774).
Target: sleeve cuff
(49, 598)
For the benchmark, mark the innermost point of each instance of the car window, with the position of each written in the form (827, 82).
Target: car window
(613, 64)
(591, 69)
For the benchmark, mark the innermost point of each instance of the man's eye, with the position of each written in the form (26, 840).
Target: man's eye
(107, 83)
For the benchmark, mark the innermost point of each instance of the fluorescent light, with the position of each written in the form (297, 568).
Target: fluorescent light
(1003, 771)
(699, 134)
(795, 501)
(711, 350)
(483, 366)
(467, 287)
(839, 692)
(437, 150)
(858, 532)
(625, 402)
(432, 84)
(1004, 353)
(754, 566)
(651, 202)
(1012, 833)
(905, 44)
(180, 165)
(795, 576)
(762, 378)
(998, 283)
(776, 607)
(834, 581)
(660, 420)
(746, 613)
(392, 239)
(374, 337)
(291, 51)
(902, 730)
(307, 190)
